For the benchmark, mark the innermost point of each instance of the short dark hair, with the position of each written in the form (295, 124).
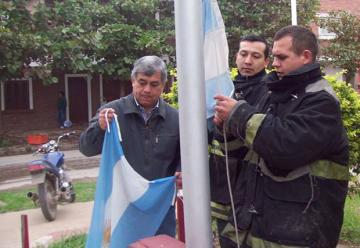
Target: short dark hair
(149, 65)
(302, 39)
(257, 38)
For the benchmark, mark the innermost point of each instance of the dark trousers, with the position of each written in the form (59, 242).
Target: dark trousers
(61, 117)
(168, 226)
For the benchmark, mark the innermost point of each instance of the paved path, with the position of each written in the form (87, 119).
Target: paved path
(71, 218)
(25, 158)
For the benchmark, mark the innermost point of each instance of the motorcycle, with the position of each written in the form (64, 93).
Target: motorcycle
(53, 184)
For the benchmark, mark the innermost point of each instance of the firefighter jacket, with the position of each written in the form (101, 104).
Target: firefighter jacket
(293, 181)
(251, 89)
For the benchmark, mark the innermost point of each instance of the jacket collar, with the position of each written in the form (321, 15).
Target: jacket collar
(299, 78)
(131, 107)
(244, 79)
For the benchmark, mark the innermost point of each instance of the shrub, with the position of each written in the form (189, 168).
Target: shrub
(172, 96)
(350, 108)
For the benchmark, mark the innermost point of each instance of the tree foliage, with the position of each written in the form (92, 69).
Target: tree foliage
(344, 49)
(262, 17)
(82, 36)
(96, 37)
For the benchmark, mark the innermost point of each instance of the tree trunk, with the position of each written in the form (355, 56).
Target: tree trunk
(349, 79)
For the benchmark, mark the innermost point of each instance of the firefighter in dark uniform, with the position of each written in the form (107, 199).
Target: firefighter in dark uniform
(251, 60)
(293, 182)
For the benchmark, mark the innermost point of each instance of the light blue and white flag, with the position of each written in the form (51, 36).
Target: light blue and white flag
(216, 52)
(127, 207)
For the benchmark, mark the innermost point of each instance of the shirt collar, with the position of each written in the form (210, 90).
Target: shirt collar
(142, 108)
(146, 114)
(131, 106)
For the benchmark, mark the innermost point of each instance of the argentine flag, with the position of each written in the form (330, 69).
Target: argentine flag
(127, 207)
(216, 52)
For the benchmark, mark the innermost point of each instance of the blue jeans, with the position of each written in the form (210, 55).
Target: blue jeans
(61, 117)
(168, 226)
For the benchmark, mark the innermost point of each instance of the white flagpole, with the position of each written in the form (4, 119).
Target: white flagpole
(193, 128)
(293, 13)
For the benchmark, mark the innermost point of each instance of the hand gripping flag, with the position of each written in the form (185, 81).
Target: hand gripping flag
(127, 207)
(216, 52)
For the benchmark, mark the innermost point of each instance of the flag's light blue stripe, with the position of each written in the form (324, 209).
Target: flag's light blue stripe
(210, 21)
(221, 84)
(109, 159)
(104, 187)
(149, 210)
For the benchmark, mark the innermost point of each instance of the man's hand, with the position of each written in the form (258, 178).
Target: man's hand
(102, 119)
(223, 107)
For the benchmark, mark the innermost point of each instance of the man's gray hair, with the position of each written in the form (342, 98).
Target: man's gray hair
(149, 65)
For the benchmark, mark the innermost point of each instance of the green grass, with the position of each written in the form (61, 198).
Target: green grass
(16, 200)
(351, 226)
(76, 241)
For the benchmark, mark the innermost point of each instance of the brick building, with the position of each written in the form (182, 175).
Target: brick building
(27, 104)
(352, 6)
(326, 6)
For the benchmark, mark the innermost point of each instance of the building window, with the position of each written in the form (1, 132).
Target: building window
(324, 34)
(16, 95)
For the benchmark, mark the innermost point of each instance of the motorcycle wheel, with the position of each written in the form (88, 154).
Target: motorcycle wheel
(47, 199)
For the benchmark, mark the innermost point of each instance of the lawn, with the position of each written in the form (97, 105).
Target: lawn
(351, 226)
(16, 200)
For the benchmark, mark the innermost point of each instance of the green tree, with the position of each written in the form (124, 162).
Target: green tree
(103, 38)
(82, 36)
(262, 17)
(95, 37)
(16, 39)
(344, 50)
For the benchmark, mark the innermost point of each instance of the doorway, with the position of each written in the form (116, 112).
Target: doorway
(77, 91)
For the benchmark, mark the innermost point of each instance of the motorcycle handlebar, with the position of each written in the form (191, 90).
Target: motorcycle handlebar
(65, 135)
(45, 148)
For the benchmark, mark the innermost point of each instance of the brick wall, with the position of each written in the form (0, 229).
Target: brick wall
(352, 6)
(44, 114)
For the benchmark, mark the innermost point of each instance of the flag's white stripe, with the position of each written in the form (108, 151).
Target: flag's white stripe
(215, 86)
(124, 190)
(215, 54)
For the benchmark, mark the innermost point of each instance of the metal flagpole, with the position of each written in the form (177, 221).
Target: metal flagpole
(293, 13)
(193, 129)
